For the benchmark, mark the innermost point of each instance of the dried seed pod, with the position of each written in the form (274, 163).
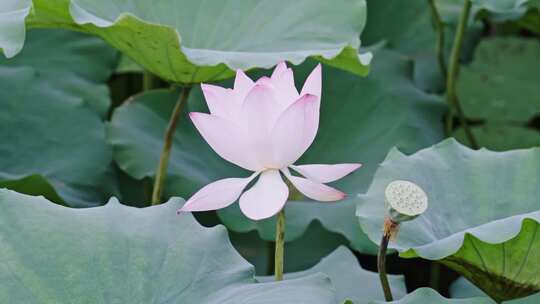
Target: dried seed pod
(405, 200)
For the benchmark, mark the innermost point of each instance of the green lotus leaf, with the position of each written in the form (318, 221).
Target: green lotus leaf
(531, 21)
(33, 185)
(498, 10)
(495, 88)
(482, 219)
(430, 296)
(351, 281)
(410, 33)
(126, 65)
(194, 41)
(121, 254)
(502, 137)
(463, 288)
(503, 9)
(52, 96)
(378, 112)
(534, 299)
(72, 64)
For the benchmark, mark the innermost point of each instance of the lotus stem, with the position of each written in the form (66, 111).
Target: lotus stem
(404, 201)
(280, 246)
(439, 27)
(161, 170)
(147, 81)
(453, 69)
(389, 226)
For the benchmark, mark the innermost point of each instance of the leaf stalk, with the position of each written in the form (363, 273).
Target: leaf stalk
(451, 78)
(389, 232)
(439, 28)
(280, 246)
(161, 170)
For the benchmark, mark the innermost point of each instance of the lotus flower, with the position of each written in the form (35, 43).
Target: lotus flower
(264, 127)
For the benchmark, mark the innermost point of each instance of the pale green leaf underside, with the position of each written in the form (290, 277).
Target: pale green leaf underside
(120, 254)
(126, 65)
(498, 10)
(430, 296)
(502, 9)
(463, 288)
(376, 113)
(482, 218)
(194, 41)
(50, 126)
(351, 281)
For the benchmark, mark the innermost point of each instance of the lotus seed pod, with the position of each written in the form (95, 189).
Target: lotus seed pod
(405, 200)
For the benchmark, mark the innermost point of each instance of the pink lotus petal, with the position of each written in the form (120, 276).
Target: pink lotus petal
(314, 190)
(220, 101)
(283, 81)
(260, 109)
(266, 198)
(295, 130)
(259, 112)
(226, 139)
(325, 173)
(217, 195)
(242, 84)
(280, 68)
(313, 83)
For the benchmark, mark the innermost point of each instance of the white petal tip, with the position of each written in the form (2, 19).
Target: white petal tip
(339, 196)
(356, 167)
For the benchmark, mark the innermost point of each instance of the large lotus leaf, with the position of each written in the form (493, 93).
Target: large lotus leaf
(410, 32)
(54, 143)
(503, 9)
(501, 84)
(502, 137)
(126, 65)
(194, 41)
(375, 113)
(430, 296)
(351, 281)
(498, 10)
(482, 219)
(121, 254)
(71, 66)
(534, 299)
(463, 288)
